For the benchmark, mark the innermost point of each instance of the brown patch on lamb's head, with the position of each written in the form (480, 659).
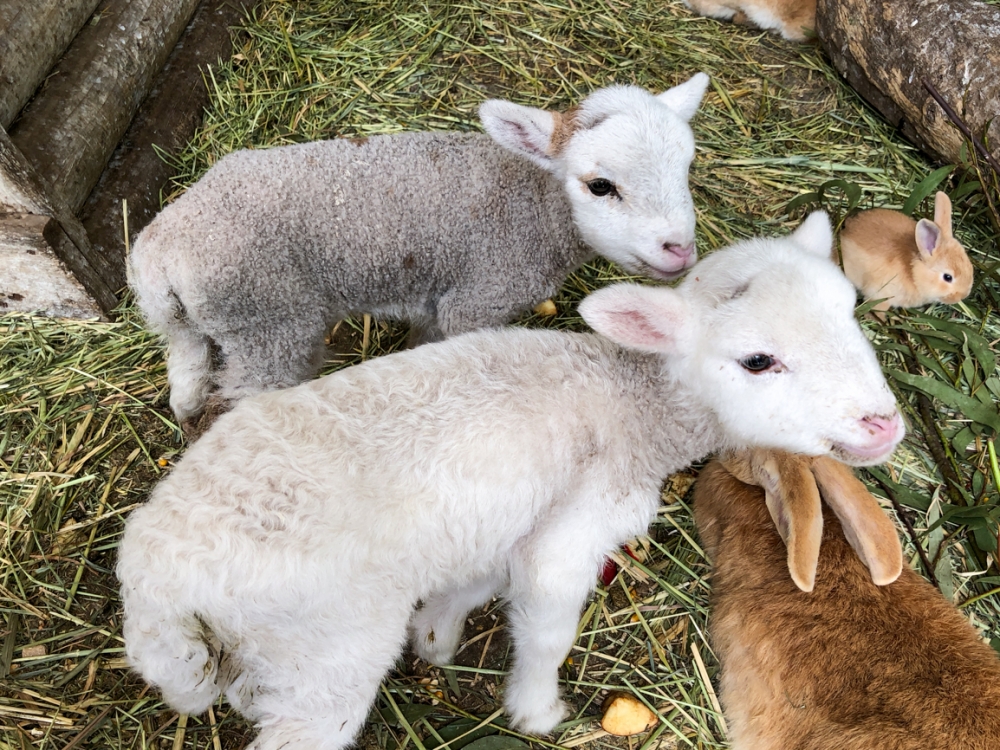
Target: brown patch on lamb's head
(565, 124)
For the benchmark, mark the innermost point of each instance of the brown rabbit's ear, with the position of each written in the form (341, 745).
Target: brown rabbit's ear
(942, 212)
(868, 530)
(928, 236)
(794, 503)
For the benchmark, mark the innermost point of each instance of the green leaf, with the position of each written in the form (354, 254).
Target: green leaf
(962, 440)
(985, 414)
(802, 200)
(497, 742)
(457, 728)
(925, 187)
(963, 190)
(412, 712)
(935, 548)
(850, 189)
(867, 306)
(986, 536)
(980, 347)
(903, 494)
(994, 385)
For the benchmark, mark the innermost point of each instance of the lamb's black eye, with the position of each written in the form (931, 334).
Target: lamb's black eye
(601, 187)
(757, 362)
(948, 278)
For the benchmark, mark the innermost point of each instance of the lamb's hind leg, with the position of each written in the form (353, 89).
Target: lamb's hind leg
(315, 691)
(437, 626)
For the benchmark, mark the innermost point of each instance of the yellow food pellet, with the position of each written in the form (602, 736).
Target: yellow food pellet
(546, 309)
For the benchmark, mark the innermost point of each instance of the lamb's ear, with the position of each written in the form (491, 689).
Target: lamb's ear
(650, 319)
(928, 237)
(942, 212)
(794, 504)
(685, 98)
(868, 530)
(524, 130)
(815, 234)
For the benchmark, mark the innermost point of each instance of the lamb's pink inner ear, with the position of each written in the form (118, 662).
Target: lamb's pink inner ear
(867, 529)
(644, 318)
(794, 504)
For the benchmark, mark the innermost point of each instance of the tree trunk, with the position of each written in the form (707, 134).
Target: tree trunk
(886, 49)
(38, 243)
(71, 127)
(35, 33)
(165, 122)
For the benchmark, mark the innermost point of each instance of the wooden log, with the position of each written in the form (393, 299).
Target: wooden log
(71, 127)
(33, 279)
(886, 49)
(166, 120)
(34, 35)
(68, 249)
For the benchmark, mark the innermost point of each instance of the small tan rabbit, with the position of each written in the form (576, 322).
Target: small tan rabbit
(793, 19)
(910, 263)
(850, 665)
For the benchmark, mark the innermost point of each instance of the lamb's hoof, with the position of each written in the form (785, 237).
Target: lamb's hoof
(539, 720)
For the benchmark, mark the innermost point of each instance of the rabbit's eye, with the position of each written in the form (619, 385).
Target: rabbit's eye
(602, 187)
(948, 278)
(758, 362)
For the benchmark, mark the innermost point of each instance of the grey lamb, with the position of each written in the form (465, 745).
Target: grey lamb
(449, 231)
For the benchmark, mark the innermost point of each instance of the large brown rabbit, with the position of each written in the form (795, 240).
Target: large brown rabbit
(909, 263)
(793, 19)
(849, 665)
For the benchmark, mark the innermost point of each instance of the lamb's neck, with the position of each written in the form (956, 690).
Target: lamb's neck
(560, 226)
(675, 425)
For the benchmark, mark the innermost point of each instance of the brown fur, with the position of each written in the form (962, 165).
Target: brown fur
(793, 19)
(850, 665)
(565, 124)
(881, 258)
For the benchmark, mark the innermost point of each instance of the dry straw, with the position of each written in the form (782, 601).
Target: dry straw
(86, 430)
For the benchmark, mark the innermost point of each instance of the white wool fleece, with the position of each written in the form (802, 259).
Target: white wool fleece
(282, 560)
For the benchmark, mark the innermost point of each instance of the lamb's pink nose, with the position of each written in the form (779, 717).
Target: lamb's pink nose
(683, 252)
(887, 426)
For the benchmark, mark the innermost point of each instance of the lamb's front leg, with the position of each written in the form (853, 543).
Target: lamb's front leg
(550, 584)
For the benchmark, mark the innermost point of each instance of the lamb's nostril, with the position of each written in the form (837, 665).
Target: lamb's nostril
(681, 251)
(876, 425)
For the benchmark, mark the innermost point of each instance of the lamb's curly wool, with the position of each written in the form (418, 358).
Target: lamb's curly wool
(450, 231)
(300, 532)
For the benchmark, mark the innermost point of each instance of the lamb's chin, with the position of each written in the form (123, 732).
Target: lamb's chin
(861, 456)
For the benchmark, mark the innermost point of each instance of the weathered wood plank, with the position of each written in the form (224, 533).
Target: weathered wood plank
(72, 125)
(21, 193)
(885, 50)
(33, 34)
(32, 278)
(166, 120)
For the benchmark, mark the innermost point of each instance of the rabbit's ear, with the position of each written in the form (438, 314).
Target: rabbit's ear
(794, 504)
(942, 212)
(868, 530)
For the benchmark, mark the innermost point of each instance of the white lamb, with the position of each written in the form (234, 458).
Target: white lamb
(283, 559)
(451, 231)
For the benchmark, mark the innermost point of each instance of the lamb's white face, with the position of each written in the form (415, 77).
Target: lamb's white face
(623, 157)
(764, 334)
